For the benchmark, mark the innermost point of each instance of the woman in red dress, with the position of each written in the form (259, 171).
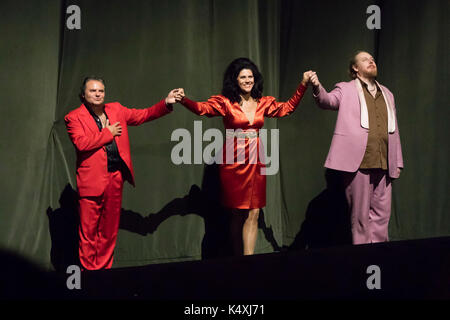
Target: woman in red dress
(242, 106)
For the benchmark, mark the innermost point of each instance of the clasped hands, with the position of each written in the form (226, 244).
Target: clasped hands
(309, 77)
(175, 95)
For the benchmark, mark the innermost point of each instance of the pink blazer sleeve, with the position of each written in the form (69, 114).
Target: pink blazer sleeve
(329, 100)
(399, 145)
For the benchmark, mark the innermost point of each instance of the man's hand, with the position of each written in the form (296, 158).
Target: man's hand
(175, 96)
(306, 77)
(314, 80)
(116, 128)
(179, 95)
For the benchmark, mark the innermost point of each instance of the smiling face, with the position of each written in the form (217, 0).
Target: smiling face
(245, 81)
(94, 93)
(365, 65)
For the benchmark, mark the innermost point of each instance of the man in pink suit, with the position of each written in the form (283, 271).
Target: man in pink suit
(99, 133)
(365, 146)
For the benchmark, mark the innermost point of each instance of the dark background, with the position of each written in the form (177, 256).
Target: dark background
(146, 48)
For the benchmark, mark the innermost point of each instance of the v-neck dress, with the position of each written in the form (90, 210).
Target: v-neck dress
(242, 174)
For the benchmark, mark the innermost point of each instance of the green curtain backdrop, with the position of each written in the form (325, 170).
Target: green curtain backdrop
(29, 55)
(143, 49)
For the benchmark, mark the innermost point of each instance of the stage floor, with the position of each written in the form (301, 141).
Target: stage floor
(397, 270)
(415, 269)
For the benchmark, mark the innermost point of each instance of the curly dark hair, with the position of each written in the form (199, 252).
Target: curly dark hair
(231, 88)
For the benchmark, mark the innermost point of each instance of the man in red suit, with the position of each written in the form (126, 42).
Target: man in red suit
(99, 133)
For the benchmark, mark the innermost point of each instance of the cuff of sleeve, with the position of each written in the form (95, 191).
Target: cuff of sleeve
(316, 95)
(187, 102)
(302, 88)
(108, 135)
(169, 106)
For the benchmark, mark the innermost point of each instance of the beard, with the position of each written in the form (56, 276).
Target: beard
(371, 73)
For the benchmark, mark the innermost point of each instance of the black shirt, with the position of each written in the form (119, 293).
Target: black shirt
(112, 153)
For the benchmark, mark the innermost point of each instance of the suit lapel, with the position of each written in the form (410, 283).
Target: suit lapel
(390, 111)
(87, 119)
(365, 113)
(363, 105)
(110, 114)
(112, 117)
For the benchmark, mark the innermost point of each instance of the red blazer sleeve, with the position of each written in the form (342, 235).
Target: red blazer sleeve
(82, 140)
(276, 109)
(215, 106)
(135, 117)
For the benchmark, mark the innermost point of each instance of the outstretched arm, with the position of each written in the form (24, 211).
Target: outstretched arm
(135, 117)
(281, 109)
(214, 106)
(324, 99)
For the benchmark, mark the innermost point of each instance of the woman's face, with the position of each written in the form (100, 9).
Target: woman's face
(245, 80)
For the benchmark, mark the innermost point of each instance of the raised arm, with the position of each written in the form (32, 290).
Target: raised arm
(324, 99)
(135, 117)
(213, 107)
(277, 109)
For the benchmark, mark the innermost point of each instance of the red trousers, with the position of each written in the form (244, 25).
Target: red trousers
(99, 224)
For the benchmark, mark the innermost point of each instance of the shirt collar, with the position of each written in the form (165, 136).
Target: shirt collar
(365, 84)
(92, 113)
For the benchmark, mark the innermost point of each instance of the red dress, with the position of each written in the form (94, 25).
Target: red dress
(242, 184)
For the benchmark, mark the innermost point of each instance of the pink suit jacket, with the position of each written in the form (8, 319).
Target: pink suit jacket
(350, 138)
(89, 142)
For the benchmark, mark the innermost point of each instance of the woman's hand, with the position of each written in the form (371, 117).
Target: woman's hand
(170, 99)
(179, 95)
(306, 76)
(175, 95)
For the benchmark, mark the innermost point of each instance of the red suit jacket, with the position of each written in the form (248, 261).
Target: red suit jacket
(89, 142)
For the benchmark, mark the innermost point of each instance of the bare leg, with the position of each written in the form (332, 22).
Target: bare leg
(250, 231)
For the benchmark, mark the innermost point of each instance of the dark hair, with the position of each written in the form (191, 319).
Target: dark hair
(231, 88)
(83, 86)
(351, 72)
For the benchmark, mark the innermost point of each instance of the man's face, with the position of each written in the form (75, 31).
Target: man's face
(94, 93)
(365, 65)
(245, 80)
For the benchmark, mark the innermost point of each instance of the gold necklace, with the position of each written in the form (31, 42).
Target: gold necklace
(102, 118)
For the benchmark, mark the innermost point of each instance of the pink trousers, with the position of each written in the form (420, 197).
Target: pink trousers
(369, 193)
